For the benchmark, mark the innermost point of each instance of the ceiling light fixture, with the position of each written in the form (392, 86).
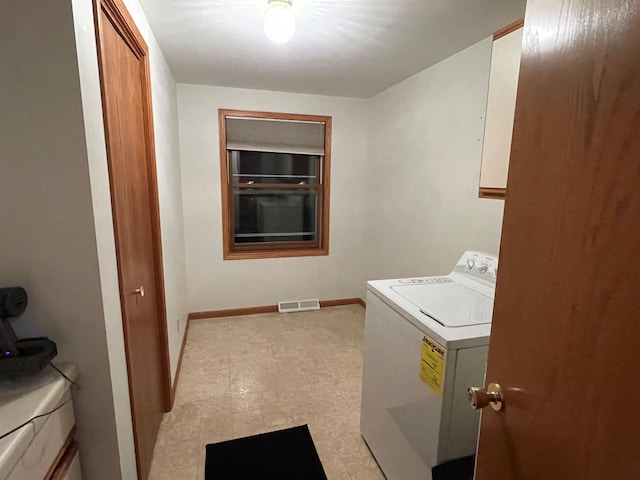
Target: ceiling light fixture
(279, 22)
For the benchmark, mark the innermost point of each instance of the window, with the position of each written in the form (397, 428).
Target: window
(275, 184)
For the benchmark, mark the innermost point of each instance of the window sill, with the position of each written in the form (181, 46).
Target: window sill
(275, 254)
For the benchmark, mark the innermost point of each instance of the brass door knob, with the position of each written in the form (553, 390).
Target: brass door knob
(481, 397)
(139, 291)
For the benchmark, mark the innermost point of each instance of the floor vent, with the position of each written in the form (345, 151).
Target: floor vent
(298, 306)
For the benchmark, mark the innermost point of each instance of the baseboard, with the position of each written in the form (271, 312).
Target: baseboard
(341, 302)
(235, 312)
(179, 367)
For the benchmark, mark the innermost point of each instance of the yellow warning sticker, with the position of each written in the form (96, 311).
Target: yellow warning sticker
(432, 364)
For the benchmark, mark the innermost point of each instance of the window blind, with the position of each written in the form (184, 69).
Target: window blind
(279, 136)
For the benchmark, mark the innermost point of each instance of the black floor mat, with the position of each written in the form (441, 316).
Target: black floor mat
(283, 455)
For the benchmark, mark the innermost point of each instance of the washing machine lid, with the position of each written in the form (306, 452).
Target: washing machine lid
(450, 304)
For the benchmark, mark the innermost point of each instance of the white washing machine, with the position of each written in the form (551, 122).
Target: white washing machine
(426, 341)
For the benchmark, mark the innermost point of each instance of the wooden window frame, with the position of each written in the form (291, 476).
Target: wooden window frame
(232, 251)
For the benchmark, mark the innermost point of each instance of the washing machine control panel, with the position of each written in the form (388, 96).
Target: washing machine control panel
(425, 280)
(478, 265)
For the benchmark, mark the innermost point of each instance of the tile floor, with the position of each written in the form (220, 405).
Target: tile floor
(247, 375)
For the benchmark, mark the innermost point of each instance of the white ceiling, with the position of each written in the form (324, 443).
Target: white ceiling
(353, 48)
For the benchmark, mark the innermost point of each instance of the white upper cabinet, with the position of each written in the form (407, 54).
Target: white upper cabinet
(501, 105)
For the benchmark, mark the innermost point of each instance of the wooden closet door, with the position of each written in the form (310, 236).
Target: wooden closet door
(129, 134)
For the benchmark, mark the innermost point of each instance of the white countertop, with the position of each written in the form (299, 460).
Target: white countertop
(23, 399)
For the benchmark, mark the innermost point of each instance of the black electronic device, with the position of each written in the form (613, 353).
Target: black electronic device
(20, 357)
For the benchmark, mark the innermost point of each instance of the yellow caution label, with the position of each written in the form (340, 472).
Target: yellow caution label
(432, 364)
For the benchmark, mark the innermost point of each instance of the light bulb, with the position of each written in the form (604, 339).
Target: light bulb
(279, 22)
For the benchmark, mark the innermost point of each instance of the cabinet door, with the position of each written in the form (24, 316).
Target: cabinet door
(44, 449)
(501, 105)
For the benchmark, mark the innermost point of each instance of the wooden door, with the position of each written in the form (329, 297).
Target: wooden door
(566, 328)
(129, 135)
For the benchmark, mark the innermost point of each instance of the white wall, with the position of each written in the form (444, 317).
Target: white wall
(215, 284)
(404, 200)
(425, 140)
(47, 241)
